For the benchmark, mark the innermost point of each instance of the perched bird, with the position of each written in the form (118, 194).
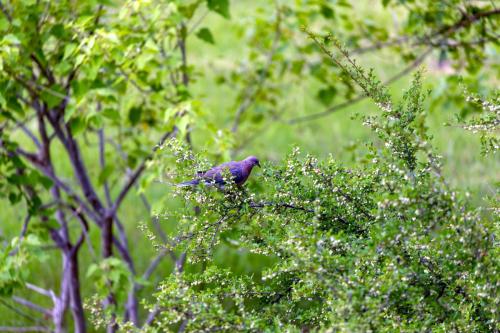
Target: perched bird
(240, 170)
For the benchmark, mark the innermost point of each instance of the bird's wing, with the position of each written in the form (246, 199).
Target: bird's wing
(238, 173)
(216, 173)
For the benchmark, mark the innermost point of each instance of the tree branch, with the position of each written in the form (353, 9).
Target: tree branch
(29, 134)
(279, 205)
(254, 89)
(137, 173)
(361, 97)
(45, 71)
(21, 236)
(40, 290)
(444, 32)
(32, 306)
(156, 261)
(24, 329)
(465, 21)
(5, 12)
(20, 312)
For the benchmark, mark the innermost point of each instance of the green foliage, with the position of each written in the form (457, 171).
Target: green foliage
(219, 6)
(487, 123)
(385, 246)
(110, 274)
(13, 259)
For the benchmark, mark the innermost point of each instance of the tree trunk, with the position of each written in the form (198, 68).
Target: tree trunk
(76, 299)
(61, 303)
(107, 251)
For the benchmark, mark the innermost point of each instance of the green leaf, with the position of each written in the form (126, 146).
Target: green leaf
(58, 31)
(11, 39)
(3, 102)
(68, 50)
(53, 95)
(70, 110)
(111, 114)
(134, 115)
(14, 198)
(327, 95)
(77, 125)
(189, 10)
(14, 105)
(219, 6)
(327, 11)
(105, 173)
(91, 270)
(51, 223)
(4, 24)
(46, 182)
(205, 35)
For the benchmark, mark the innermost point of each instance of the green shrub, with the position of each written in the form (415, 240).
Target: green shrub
(386, 246)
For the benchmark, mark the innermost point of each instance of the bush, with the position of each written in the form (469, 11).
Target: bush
(385, 246)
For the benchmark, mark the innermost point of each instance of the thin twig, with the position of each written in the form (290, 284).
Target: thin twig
(29, 134)
(33, 158)
(21, 236)
(24, 329)
(279, 205)
(32, 306)
(152, 316)
(155, 262)
(40, 290)
(19, 312)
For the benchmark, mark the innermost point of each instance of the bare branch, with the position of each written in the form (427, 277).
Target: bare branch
(81, 173)
(23, 233)
(29, 134)
(183, 326)
(182, 46)
(179, 264)
(24, 329)
(137, 173)
(19, 312)
(32, 306)
(144, 199)
(40, 290)
(380, 45)
(152, 315)
(156, 261)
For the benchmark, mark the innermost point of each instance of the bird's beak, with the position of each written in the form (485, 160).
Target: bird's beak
(258, 164)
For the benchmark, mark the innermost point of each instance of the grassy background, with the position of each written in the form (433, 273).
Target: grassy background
(465, 168)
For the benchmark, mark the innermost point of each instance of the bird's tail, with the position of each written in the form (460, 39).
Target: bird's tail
(193, 182)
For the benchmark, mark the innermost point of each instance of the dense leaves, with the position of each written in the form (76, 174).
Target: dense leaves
(385, 246)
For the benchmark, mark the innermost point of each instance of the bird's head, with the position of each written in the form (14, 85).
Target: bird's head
(253, 161)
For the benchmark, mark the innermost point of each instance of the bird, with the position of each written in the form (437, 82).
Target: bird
(240, 171)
